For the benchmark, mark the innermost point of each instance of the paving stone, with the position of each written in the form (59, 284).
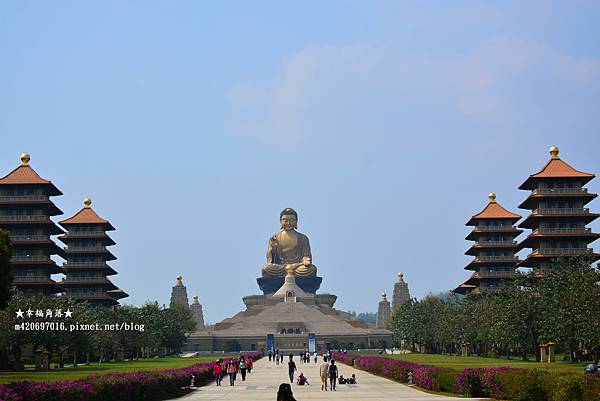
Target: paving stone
(265, 378)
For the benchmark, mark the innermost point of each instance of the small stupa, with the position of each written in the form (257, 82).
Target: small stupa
(179, 294)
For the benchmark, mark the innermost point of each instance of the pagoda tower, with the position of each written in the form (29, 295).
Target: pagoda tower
(25, 211)
(494, 249)
(197, 314)
(383, 311)
(401, 293)
(179, 294)
(558, 216)
(86, 255)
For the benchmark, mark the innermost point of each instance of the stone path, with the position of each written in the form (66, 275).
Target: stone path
(262, 385)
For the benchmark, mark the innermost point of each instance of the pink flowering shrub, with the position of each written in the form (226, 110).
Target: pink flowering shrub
(504, 383)
(147, 386)
(423, 375)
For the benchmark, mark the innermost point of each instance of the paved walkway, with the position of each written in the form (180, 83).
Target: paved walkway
(262, 385)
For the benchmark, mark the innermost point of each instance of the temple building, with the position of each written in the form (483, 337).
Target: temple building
(179, 294)
(401, 293)
(558, 216)
(383, 311)
(289, 315)
(25, 211)
(494, 250)
(197, 314)
(86, 268)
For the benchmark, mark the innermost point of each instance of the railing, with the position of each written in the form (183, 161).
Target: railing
(6, 198)
(565, 210)
(100, 278)
(29, 237)
(32, 278)
(34, 217)
(85, 249)
(85, 234)
(562, 251)
(551, 191)
(495, 257)
(504, 274)
(99, 263)
(562, 231)
(17, 258)
(507, 243)
(87, 294)
(495, 228)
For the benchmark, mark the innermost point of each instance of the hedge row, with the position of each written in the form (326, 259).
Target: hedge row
(147, 386)
(504, 383)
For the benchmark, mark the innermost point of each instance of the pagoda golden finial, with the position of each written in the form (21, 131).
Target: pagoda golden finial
(492, 197)
(383, 295)
(196, 297)
(554, 152)
(289, 269)
(25, 159)
(87, 203)
(179, 278)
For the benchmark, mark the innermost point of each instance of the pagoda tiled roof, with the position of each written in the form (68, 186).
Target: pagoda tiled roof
(25, 174)
(493, 210)
(556, 168)
(86, 216)
(117, 294)
(464, 287)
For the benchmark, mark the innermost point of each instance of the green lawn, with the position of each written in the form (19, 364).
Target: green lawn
(82, 370)
(459, 362)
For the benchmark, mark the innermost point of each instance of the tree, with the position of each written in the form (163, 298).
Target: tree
(569, 300)
(5, 276)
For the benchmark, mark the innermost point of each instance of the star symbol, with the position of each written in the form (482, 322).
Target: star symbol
(19, 313)
(68, 313)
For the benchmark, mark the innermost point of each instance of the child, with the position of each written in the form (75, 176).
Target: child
(302, 380)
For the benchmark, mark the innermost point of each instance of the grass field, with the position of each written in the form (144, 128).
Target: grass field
(459, 362)
(82, 370)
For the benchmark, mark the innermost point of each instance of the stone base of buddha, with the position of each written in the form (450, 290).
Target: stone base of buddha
(269, 285)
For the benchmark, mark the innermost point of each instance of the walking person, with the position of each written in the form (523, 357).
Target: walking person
(232, 371)
(270, 355)
(249, 365)
(316, 355)
(324, 373)
(277, 357)
(291, 368)
(218, 372)
(242, 366)
(333, 374)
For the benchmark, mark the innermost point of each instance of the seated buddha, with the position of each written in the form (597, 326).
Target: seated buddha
(289, 247)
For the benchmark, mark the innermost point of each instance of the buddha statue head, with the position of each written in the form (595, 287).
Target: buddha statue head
(288, 218)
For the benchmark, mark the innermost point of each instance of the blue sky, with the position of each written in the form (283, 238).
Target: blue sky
(384, 124)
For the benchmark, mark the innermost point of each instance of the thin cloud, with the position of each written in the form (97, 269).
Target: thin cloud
(333, 92)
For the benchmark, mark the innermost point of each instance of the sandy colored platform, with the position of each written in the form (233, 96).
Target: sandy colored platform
(262, 385)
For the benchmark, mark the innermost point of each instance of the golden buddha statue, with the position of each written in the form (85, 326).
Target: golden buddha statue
(289, 248)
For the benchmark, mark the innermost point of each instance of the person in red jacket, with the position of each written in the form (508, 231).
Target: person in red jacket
(218, 372)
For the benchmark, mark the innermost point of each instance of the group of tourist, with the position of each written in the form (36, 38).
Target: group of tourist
(329, 377)
(328, 370)
(305, 356)
(276, 356)
(241, 365)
